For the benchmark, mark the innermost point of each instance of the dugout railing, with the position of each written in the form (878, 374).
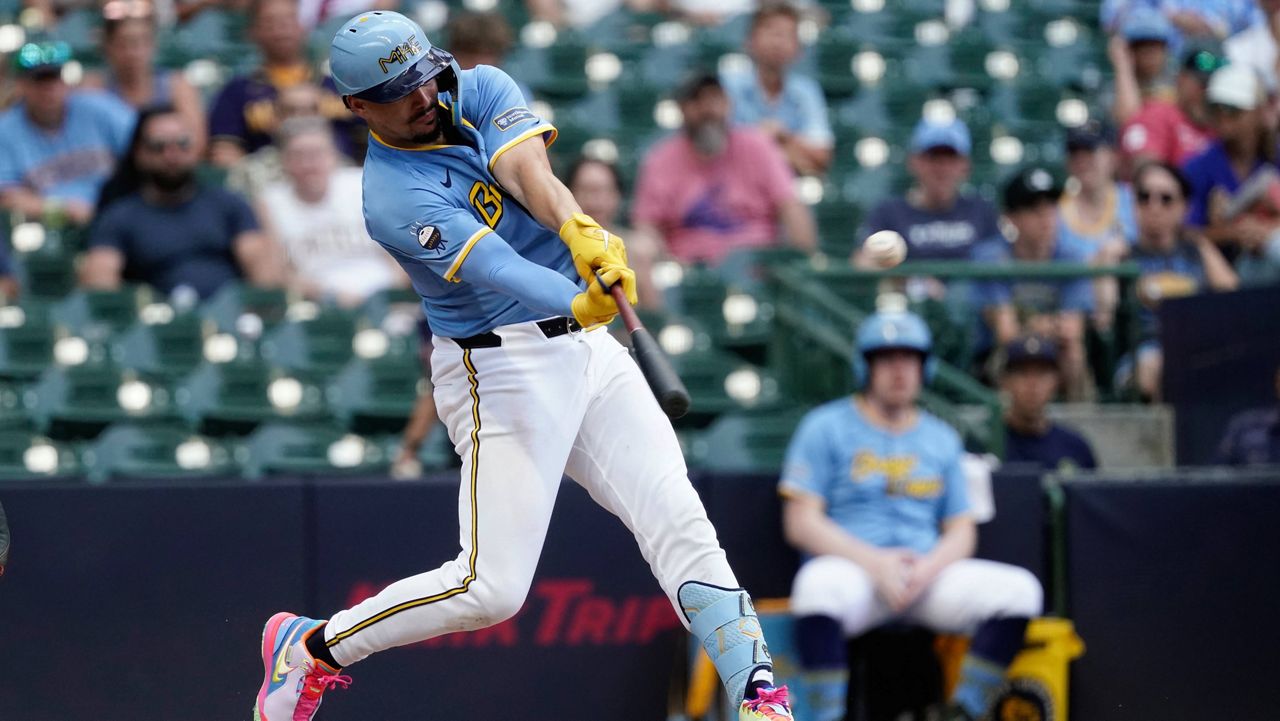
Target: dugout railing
(817, 310)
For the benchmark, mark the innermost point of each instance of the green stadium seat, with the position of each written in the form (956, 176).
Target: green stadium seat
(170, 347)
(28, 457)
(392, 301)
(79, 401)
(46, 273)
(297, 448)
(436, 452)
(320, 344)
(719, 382)
(130, 450)
(234, 398)
(26, 346)
(235, 303)
(746, 442)
(14, 415)
(376, 396)
(112, 309)
(838, 221)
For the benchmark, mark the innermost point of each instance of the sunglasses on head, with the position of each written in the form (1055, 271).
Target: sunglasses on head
(1146, 197)
(159, 145)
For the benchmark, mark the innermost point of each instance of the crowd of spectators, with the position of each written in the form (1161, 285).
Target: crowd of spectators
(1174, 178)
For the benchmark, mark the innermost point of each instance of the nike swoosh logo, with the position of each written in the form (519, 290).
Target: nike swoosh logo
(282, 666)
(447, 182)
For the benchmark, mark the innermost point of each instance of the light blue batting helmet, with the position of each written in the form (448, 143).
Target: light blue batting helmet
(382, 56)
(891, 330)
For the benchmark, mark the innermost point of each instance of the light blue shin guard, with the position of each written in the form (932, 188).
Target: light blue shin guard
(725, 623)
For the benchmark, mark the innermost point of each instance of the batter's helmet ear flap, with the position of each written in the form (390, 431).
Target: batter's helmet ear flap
(862, 370)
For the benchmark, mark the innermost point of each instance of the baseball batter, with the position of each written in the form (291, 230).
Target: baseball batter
(875, 498)
(458, 189)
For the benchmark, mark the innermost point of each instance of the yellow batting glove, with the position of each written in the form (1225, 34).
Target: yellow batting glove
(626, 276)
(594, 305)
(591, 246)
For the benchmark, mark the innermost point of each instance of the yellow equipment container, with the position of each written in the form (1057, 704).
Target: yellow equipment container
(1036, 689)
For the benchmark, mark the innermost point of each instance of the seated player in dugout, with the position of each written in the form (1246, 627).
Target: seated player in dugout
(875, 499)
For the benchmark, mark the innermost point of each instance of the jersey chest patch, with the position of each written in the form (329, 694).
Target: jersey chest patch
(429, 238)
(512, 117)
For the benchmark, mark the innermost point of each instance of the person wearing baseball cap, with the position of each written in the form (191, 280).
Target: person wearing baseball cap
(1054, 307)
(58, 145)
(1096, 210)
(1029, 378)
(938, 221)
(1244, 146)
(1176, 129)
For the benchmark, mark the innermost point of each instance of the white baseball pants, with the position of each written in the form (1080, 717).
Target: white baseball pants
(520, 416)
(964, 595)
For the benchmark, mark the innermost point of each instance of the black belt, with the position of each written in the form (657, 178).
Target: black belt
(551, 328)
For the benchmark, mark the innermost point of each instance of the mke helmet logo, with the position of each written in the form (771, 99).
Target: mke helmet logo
(408, 49)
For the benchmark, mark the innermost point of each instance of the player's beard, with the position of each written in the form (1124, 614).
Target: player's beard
(434, 136)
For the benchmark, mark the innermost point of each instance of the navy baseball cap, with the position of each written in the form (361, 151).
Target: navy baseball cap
(1146, 24)
(1029, 349)
(1029, 187)
(1092, 135)
(952, 134)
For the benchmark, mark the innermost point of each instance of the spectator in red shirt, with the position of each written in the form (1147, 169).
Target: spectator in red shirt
(1172, 132)
(714, 188)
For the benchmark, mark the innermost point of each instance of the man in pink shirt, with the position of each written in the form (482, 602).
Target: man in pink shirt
(1173, 132)
(712, 188)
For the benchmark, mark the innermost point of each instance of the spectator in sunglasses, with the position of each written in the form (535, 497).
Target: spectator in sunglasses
(1174, 261)
(1245, 146)
(129, 46)
(165, 229)
(58, 145)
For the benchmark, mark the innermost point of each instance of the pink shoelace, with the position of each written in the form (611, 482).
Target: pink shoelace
(767, 696)
(313, 688)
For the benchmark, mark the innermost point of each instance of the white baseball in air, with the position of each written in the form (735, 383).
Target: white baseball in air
(885, 249)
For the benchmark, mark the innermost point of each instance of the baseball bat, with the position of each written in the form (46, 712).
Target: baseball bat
(654, 364)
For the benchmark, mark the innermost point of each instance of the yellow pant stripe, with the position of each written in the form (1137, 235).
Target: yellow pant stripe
(475, 525)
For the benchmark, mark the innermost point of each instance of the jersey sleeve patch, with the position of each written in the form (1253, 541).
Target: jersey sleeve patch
(430, 239)
(513, 117)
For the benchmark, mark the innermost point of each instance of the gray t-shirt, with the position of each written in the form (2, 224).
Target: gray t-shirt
(949, 235)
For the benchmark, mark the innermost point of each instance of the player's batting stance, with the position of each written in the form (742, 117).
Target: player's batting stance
(875, 498)
(457, 187)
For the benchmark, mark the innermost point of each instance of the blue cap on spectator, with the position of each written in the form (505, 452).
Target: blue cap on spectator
(953, 134)
(1030, 349)
(1146, 24)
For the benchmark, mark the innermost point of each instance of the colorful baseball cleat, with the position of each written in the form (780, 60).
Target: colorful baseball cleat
(770, 704)
(294, 682)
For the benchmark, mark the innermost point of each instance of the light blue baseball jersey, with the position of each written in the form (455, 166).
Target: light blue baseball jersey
(429, 206)
(801, 108)
(72, 162)
(888, 489)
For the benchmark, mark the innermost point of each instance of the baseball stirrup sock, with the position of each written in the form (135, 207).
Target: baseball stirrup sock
(725, 623)
(318, 649)
(992, 649)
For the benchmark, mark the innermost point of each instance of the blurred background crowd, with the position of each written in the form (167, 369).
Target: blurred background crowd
(184, 241)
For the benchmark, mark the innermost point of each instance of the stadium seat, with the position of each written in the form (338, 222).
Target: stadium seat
(28, 456)
(838, 221)
(746, 442)
(236, 308)
(375, 396)
(46, 274)
(13, 412)
(299, 448)
(129, 450)
(321, 344)
(719, 382)
(112, 309)
(233, 398)
(168, 346)
(79, 401)
(26, 344)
